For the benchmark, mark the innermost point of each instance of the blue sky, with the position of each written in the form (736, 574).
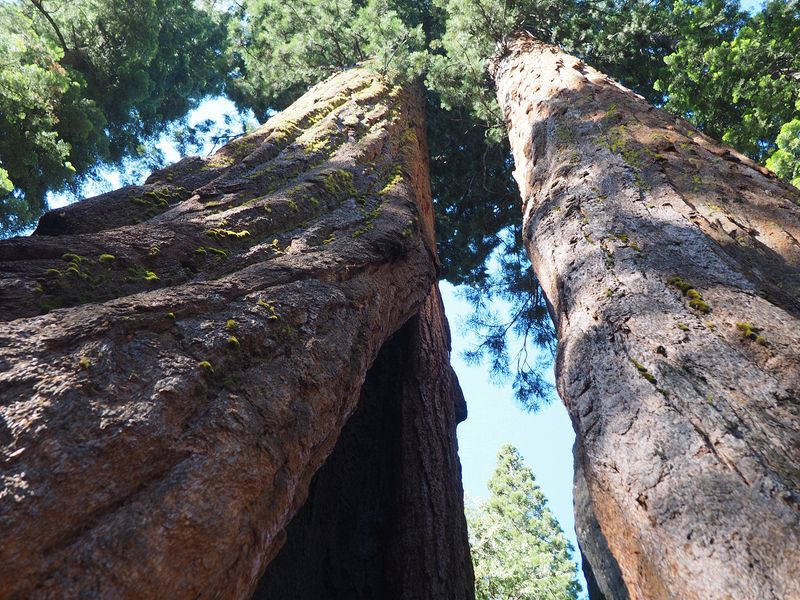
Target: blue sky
(544, 439)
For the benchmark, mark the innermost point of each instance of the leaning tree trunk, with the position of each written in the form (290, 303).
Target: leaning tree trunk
(179, 359)
(670, 263)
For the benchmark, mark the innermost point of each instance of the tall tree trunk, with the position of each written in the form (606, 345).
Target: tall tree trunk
(178, 359)
(671, 266)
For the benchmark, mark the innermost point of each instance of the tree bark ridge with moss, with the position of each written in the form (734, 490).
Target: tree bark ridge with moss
(670, 263)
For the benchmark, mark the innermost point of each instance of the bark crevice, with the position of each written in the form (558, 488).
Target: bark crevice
(375, 524)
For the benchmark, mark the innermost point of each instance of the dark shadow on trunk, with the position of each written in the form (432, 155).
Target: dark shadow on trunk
(379, 519)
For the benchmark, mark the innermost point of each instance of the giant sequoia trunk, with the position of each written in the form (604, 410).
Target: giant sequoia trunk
(671, 265)
(179, 359)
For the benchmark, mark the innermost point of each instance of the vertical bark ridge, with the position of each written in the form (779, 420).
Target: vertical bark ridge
(177, 359)
(672, 266)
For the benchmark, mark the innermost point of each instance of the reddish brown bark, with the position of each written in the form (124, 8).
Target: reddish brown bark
(179, 358)
(672, 266)
(380, 520)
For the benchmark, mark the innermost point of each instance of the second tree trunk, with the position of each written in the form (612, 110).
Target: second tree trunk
(670, 263)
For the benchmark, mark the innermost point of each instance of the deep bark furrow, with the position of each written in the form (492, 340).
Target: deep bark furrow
(670, 265)
(192, 339)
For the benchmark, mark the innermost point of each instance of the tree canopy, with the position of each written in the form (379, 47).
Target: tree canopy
(734, 76)
(518, 548)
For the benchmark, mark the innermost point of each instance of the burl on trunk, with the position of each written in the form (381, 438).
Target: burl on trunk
(179, 358)
(671, 264)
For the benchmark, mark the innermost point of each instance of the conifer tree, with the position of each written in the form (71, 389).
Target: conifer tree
(90, 82)
(518, 548)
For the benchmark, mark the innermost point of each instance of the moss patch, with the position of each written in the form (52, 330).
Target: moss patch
(158, 200)
(269, 305)
(695, 299)
(141, 274)
(644, 372)
(220, 234)
(636, 156)
(751, 332)
(206, 366)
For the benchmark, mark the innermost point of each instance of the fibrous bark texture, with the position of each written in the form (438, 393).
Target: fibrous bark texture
(600, 569)
(671, 264)
(178, 359)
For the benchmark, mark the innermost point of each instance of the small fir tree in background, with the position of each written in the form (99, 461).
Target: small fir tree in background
(518, 548)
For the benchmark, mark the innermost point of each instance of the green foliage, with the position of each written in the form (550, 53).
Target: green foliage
(476, 30)
(5, 183)
(518, 548)
(84, 82)
(785, 161)
(477, 221)
(31, 150)
(508, 281)
(280, 48)
(628, 39)
(734, 76)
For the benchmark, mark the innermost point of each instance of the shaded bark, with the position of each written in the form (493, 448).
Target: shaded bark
(380, 518)
(177, 359)
(670, 263)
(595, 555)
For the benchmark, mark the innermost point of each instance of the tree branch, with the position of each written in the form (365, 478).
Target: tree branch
(53, 24)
